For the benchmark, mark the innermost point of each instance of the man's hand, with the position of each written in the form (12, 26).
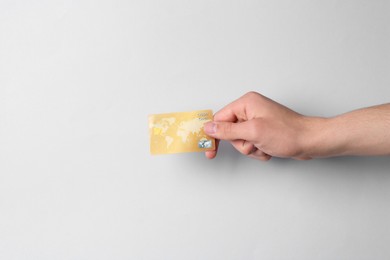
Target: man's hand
(261, 128)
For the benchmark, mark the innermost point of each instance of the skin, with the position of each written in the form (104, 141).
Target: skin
(261, 128)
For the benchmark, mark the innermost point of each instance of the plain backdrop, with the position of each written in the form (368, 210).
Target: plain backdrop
(78, 79)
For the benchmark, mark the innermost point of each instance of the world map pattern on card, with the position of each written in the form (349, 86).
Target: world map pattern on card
(180, 132)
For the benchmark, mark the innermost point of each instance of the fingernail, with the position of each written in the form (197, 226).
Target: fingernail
(210, 128)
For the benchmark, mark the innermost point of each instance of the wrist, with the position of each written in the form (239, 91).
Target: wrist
(320, 138)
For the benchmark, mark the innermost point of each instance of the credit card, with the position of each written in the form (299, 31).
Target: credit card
(180, 132)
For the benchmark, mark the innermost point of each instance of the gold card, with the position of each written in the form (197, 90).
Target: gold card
(180, 132)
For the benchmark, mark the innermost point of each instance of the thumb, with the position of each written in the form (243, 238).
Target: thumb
(226, 130)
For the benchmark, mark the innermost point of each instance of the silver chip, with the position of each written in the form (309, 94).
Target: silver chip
(204, 144)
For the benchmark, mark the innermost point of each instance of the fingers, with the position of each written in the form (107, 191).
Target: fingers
(260, 155)
(240, 109)
(232, 131)
(244, 147)
(247, 148)
(225, 115)
(234, 112)
(212, 153)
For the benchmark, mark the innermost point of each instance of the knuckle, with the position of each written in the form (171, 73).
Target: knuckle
(252, 95)
(246, 152)
(265, 158)
(247, 149)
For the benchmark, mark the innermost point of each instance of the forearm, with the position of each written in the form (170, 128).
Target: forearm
(360, 132)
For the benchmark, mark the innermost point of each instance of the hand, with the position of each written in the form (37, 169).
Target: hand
(259, 128)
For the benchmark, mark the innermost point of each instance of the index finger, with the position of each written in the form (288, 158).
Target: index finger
(233, 112)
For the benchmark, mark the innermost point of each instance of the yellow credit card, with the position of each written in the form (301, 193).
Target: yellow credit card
(180, 132)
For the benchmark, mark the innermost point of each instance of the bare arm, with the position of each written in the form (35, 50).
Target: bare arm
(361, 132)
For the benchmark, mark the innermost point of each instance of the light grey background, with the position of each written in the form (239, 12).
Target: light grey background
(78, 79)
